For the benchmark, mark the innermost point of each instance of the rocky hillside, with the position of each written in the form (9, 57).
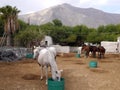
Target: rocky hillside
(71, 16)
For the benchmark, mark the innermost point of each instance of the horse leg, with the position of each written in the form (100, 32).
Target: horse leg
(41, 73)
(87, 54)
(94, 54)
(41, 70)
(100, 55)
(46, 72)
(84, 54)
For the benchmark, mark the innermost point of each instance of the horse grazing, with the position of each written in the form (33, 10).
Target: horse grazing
(101, 51)
(85, 49)
(46, 58)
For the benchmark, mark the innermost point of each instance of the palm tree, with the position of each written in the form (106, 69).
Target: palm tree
(9, 15)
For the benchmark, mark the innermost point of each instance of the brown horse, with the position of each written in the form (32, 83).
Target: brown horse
(101, 51)
(85, 50)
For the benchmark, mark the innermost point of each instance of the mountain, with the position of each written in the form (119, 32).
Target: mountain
(72, 16)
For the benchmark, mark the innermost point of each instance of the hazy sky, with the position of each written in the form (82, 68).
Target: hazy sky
(27, 6)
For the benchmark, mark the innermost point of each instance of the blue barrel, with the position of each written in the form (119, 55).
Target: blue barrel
(55, 85)
(78, 55)
(93, 64)
(29, 55)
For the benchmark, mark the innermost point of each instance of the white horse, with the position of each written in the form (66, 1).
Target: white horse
(46, 58)
(51, 49)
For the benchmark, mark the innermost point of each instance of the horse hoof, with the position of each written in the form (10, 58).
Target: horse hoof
(46, 83)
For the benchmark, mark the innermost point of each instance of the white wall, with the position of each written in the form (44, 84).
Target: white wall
(118, 45)
(65, 49)
(109, 46)
(62, 49)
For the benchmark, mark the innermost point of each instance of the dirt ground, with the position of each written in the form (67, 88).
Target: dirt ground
(25, 74)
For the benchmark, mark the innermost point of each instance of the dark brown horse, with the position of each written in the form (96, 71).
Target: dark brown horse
(101, 51)
(93, 50)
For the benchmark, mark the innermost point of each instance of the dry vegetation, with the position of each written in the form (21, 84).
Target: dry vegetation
(25, 74)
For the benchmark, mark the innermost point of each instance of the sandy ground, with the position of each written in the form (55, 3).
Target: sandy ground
(25, 74)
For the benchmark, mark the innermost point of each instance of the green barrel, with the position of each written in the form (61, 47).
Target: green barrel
(78, 55)
(55, 85)
(29, 55)
(93, 64)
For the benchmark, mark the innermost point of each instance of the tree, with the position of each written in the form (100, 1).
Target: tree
(81, 31)
(1, 27)
(101, 29)
(28, 36)
(9, 15)
(22, 25)
(57, 22)
(93, 37)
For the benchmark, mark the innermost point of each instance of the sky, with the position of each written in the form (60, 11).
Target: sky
(29, 6)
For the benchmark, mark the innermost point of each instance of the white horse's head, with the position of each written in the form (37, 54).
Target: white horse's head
(36, 51)
(57, 75)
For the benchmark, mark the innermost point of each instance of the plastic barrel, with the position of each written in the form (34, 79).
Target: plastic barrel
(29, 55)
(93, 64)
(55, 85)
(78, 55)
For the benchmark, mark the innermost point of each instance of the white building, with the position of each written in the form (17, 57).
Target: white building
(47, 41)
